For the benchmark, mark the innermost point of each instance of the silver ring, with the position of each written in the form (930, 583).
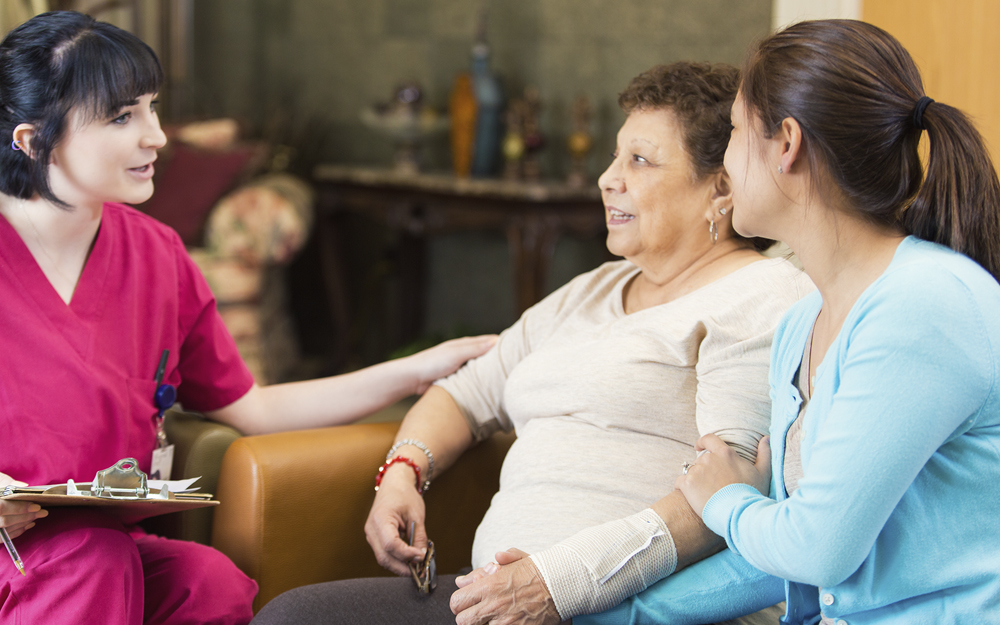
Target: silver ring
(685, 467)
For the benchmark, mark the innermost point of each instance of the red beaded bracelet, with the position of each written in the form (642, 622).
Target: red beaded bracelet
(389, 463)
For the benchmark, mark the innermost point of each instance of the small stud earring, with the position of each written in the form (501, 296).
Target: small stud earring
(723, 210)
(15, 145)
(780, 170)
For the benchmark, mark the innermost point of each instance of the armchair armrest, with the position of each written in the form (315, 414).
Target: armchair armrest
(294, 504)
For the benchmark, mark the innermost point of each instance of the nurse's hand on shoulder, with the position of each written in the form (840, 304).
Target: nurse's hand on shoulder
(506, 592)
(444, 359)
(18, 516)
(719, 467)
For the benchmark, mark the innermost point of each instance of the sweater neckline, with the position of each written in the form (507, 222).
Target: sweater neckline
(619, 293)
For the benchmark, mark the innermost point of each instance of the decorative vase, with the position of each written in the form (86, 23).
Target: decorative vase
(462, 109)
(407, 123)
(489, 106)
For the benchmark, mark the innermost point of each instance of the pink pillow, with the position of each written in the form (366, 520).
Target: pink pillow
(189, 181)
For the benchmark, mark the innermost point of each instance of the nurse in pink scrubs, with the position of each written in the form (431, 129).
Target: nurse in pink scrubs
(92, 293)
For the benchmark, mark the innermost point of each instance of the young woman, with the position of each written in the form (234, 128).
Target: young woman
(93, 294)
(885, 432)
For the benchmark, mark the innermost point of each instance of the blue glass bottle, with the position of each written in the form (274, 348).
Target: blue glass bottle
(489, 110)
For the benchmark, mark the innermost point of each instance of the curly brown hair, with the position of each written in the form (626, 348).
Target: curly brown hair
(700, 95)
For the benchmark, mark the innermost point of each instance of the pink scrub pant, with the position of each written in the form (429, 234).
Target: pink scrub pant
(84, 567)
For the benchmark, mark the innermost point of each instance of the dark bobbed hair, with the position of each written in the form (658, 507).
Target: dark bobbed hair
(700, 95)
(52, 64)
(853, 90)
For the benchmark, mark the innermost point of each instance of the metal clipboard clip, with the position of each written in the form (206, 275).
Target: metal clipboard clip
(123, 480)
(121, 490)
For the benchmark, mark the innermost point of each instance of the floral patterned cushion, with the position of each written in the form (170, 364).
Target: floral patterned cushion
(249, 234)
(263, 223)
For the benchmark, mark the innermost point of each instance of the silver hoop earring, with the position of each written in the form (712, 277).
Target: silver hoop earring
(713, 231)
(14, 145)
(780, 170)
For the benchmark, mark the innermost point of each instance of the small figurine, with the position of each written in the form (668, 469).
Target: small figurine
(513, 141)
(531, 133)
(579, 142)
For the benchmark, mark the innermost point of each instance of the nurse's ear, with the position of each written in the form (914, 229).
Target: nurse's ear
(23, 135)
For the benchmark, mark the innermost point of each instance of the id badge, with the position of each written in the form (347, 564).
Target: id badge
(163, 461)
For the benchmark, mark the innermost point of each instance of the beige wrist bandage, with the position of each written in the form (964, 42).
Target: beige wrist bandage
(600, 567)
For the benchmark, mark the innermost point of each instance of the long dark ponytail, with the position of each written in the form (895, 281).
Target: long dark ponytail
(855, 92)
(958, 203)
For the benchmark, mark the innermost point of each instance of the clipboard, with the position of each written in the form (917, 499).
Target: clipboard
(121, 490)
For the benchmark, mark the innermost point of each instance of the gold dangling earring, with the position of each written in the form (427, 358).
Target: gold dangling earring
(713, 231)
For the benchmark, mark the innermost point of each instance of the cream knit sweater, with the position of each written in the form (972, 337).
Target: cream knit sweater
(607, 406)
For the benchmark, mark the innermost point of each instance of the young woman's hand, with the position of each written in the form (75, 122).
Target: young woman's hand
(444, 359)
(18, 516)
(719, 466)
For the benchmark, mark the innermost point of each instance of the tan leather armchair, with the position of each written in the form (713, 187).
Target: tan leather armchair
(294, 504)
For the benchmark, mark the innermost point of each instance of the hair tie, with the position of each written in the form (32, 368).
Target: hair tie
(918, 111)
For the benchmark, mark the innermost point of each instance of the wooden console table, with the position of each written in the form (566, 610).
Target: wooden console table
(533, 215)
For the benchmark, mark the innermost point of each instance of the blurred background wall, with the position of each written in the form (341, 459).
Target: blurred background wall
(298, 73)
(304, 69)
(327, 59)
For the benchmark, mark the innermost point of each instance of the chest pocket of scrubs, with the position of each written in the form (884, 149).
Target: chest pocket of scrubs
(10, 401)
(141, 420)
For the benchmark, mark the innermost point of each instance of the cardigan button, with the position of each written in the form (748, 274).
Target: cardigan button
(827, 599)
(841, 622)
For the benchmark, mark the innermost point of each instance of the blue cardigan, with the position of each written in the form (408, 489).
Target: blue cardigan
(896, 517)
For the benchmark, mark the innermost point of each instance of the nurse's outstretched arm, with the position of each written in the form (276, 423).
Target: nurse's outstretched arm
(345, 398)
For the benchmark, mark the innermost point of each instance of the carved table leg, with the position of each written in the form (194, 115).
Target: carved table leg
(531, 240)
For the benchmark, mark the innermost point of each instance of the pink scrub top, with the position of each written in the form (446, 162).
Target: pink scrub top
(77, 381)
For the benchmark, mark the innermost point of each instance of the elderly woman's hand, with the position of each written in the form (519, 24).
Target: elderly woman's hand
(444, 359)
(719, 466)
(397, 503)
(18, 516)
(464, 580)
(512, 592)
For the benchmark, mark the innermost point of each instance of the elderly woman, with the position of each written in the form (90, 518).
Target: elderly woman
(608, 383)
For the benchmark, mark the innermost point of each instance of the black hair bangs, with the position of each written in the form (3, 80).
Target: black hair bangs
(104, 71)
(55, 69)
